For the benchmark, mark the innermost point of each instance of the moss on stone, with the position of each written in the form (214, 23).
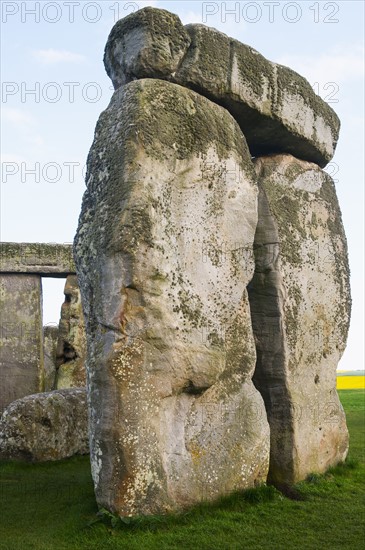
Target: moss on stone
(314, 221)
(293, 170)
(240, 355)
(188, 303)
(158, 22)
(292, 311)
(163, 27)
(340, 252)
(42, 258)
(288, 81)
(254, 69)
(200, 123)
(285, 208)
(207, 58)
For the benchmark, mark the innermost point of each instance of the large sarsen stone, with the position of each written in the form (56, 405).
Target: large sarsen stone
(275, 107)
(300, 304)
(45, 426)
(21, 338)
(164, 254)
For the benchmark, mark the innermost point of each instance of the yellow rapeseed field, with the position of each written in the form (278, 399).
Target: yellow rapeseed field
(350, 382)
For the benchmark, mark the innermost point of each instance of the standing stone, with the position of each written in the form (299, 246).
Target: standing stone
(50, 339)
(300, 304)
(163, 255)
(71, 346)
(21, 338)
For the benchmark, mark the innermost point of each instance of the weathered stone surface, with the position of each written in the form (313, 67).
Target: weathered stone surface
(50, 339)
(300, 304)
(45, 426)
(46, 259)
(275, 107)
(21, 338)
(149, 43)
(71, 346)
(175, 418)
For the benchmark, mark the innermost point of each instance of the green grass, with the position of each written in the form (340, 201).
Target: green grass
(49, 506)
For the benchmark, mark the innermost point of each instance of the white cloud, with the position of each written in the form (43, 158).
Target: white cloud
(22, 124)
(17, 117)
(35, 140)
(340, 64)
(191, 17)
(50, 56)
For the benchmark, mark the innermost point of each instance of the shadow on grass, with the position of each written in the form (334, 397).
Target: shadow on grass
(235, 502)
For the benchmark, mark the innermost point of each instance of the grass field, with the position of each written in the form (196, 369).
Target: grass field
(49, 506)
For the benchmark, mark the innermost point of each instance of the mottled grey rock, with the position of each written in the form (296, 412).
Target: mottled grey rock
(21, 338)
(71, 346)
(275, 107)
(300, 305)
(50, 339)
(45, 426)
(147, 43)
(164, 253)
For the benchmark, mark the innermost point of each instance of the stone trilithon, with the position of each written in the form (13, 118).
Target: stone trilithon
(204, 273)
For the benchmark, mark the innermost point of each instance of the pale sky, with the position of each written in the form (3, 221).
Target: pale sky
(54, 87)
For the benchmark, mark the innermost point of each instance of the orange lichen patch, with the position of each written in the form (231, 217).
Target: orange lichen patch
(196, 453)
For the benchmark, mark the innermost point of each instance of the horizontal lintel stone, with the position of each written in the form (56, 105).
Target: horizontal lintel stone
(45, 259)
(275, 107)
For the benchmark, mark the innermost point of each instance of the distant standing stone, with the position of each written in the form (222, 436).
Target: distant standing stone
(50, 338)
(21, 336)
(71, 345)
